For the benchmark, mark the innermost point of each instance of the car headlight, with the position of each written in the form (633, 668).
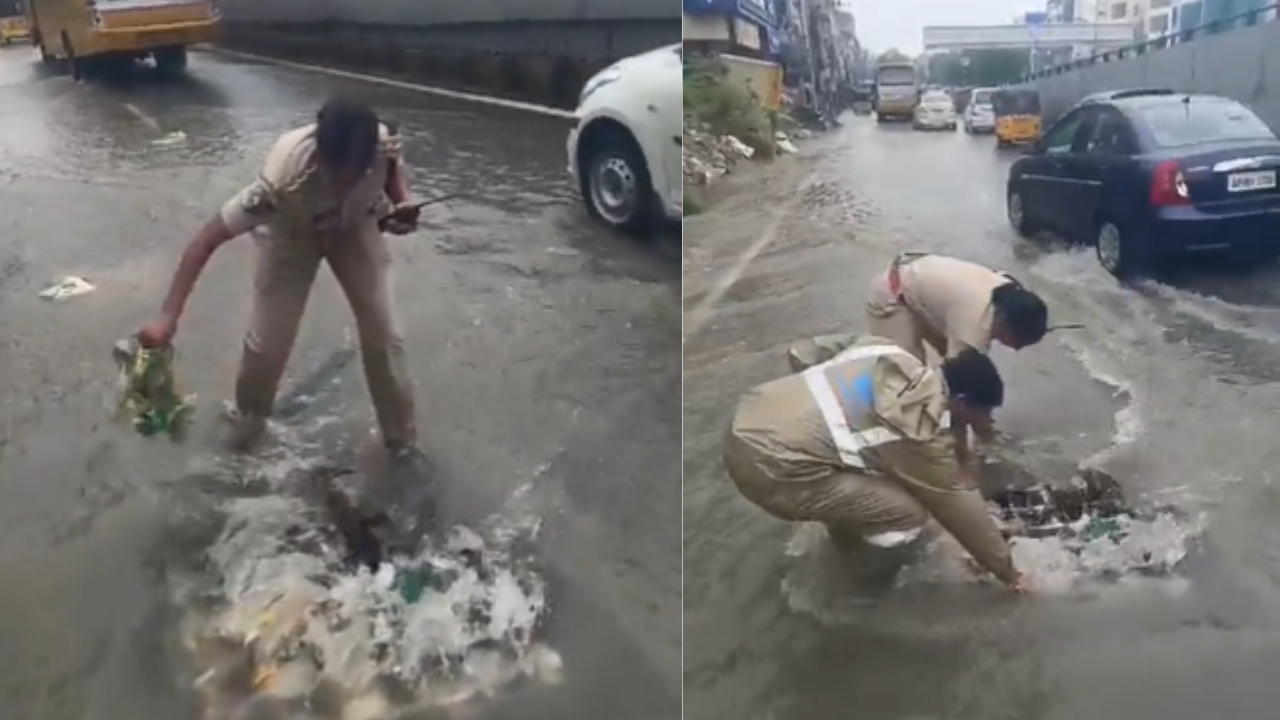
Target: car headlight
(604, 77)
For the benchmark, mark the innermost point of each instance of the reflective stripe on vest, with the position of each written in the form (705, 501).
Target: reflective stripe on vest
(849, 442)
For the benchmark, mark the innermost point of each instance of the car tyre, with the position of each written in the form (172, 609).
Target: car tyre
(1016, 212)
(1115, 252)
(616, 186)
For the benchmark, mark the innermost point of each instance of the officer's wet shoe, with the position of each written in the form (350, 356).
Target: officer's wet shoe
(245, 433)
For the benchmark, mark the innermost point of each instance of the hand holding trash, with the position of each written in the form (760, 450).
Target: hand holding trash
(149, 396)
(158, 333)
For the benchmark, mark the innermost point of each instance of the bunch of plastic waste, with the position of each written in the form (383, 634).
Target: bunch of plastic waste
(1089, 507)
(149, 395)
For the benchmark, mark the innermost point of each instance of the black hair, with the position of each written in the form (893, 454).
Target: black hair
(1021, 312)
(347, 134)
(972, 377)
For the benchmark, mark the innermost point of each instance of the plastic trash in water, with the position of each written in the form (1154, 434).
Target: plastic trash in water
(411, 584)
(177, 137)
(1111, 528)
(149, 395)
(66, 288)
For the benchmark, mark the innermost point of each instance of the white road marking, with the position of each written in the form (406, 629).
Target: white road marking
(698, 318)
(402, 85)
(145, 118)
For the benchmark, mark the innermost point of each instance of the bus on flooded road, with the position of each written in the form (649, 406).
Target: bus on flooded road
(87, 35)
(897, 91)
(13, 22)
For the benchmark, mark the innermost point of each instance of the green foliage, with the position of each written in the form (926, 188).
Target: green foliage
(893, 55)
(978, 68)
(724, 107)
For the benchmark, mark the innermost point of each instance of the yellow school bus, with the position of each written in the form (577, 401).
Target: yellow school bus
(83, 33)
(13, 22)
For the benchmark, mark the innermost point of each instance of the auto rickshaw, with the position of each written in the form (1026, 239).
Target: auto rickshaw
(13, 23)
(1017, 116)
(863, 99)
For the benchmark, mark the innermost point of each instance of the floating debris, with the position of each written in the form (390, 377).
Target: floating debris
(177, 137)
(66, 288)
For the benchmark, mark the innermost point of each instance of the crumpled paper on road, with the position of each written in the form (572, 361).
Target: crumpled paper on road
(149, 397)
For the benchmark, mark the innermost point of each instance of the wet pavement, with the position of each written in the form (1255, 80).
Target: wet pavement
(544, 351)
(1169, 387)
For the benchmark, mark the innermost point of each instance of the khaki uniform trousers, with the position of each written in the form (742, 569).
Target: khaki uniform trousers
(873, 518)
(285, 271)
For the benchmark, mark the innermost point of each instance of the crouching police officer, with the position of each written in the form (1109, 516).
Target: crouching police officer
(862, 443)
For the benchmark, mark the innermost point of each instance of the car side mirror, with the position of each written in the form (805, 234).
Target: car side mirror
(1032, 149)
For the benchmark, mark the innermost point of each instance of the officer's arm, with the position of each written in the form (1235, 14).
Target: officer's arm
(396, 185)
(929, 469)
(248, 209)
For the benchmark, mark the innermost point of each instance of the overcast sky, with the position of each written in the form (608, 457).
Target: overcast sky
(884, 24)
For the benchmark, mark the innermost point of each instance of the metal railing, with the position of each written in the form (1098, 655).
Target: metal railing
(1245, 19)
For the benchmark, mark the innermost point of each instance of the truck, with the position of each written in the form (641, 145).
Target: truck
(88, 33)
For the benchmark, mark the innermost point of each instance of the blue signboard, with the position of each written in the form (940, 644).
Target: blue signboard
(757, 11)
(1035, 18)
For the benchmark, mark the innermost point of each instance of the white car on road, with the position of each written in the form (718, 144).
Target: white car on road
(936, 111)
(624, 148)
(979, 116)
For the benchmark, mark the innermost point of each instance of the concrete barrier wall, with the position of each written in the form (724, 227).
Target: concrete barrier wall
(1242, 64)
(445, 12)
(541, 50)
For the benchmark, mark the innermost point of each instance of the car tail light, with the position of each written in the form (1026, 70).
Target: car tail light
(1168, 186)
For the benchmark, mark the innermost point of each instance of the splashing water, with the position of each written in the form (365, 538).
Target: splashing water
(817, 582)
(278, 588)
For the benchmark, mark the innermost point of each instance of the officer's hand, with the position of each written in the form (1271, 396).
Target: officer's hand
(402, 220)
(1021, 585)
(158, 333)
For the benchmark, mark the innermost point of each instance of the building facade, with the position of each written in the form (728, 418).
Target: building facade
(742, 27)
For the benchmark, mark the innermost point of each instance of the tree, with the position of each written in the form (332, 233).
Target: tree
(893, 55)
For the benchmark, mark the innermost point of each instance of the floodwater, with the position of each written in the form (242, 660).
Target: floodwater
(1168, 387)
(544, 351)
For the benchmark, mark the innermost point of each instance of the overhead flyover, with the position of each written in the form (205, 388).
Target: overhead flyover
(1103, 36)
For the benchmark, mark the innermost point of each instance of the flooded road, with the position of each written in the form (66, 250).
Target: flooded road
(544, 352)
(1169, 387)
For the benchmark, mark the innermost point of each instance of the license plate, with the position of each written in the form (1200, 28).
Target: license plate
(1246, 181)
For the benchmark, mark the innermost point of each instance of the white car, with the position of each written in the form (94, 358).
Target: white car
(624, 148)
(979, 116)
(936, 111)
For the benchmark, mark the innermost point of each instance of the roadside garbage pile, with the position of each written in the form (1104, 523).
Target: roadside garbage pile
(708, 156)
(307, 621)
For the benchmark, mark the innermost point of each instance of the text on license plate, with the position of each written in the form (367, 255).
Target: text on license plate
(1245, 181)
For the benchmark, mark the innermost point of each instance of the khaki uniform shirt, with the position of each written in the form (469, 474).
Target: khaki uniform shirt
(952, 299)
(292, 200)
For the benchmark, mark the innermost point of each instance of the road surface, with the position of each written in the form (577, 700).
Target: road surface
(1170, 387)
(545, 353)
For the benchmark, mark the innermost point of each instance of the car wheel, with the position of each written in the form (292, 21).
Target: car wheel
(1115, 253)
(1016, 211)
(616, 185)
